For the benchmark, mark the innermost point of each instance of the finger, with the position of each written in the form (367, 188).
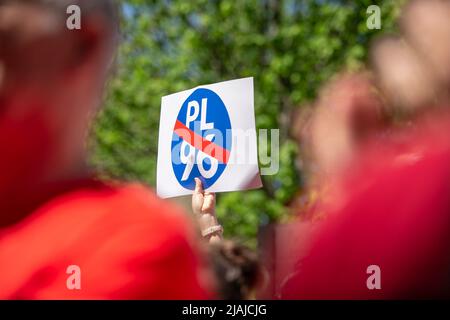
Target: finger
(210, 194)
(197, 202)
(198, 186)
(208, 203)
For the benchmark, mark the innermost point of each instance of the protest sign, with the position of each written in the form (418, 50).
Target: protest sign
(208, 132)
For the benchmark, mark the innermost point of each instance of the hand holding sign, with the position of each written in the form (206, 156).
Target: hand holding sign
(203, 206)
(202, 202)
(208, 132)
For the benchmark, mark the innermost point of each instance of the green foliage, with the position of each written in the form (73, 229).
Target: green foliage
(289, 47)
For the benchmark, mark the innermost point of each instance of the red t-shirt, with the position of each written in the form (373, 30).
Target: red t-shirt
(396, 216)
(126, 242)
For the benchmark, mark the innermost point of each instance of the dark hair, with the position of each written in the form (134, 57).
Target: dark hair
(237, 269)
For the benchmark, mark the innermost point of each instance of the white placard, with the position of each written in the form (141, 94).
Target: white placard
(208, 132)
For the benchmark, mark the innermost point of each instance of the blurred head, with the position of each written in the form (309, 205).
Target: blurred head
(347, 113)
(237, 270)
(407, 83)
(413, 71)
(51, 82)
(426, 26)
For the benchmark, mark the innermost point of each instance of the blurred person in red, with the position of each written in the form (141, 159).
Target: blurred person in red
(386, 233)
(393, 212)
(53, 212)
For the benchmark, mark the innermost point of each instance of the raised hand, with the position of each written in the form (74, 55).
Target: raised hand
(203, 206)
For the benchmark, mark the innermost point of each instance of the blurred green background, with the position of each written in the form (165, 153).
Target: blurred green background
(289, 47)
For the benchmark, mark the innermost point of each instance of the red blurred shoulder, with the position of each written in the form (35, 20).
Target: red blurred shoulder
(97, 211)
(127, 242)
(110, 203)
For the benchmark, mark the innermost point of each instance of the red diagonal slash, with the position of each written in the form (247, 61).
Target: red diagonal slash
(198, 142)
